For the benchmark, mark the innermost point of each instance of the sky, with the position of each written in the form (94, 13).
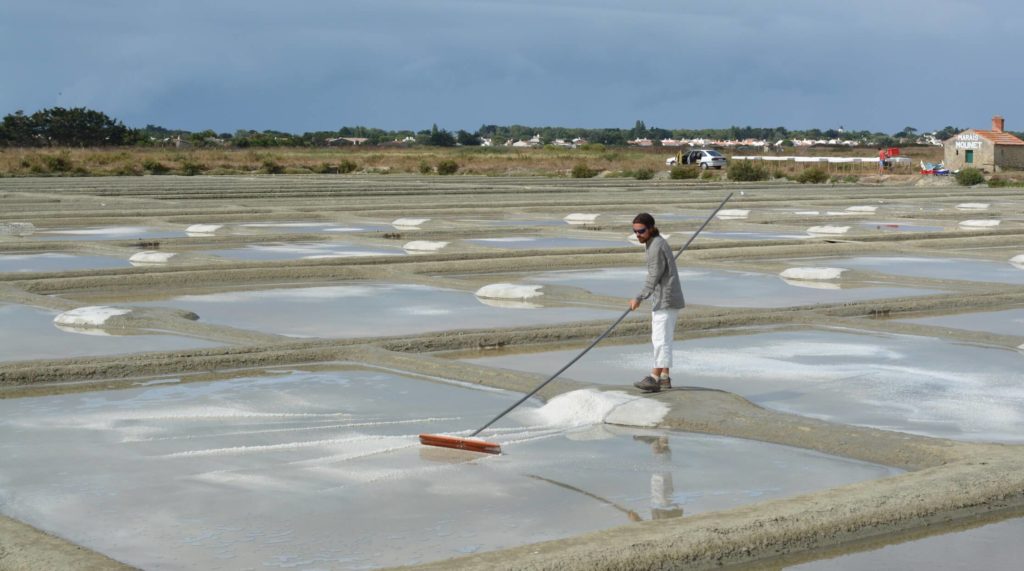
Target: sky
(318, 65)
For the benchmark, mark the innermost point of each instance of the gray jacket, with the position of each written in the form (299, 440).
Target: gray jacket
(662, 284)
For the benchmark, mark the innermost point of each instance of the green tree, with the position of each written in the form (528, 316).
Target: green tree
(467, 139)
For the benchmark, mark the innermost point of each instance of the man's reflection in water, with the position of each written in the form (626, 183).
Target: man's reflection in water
(662, 504)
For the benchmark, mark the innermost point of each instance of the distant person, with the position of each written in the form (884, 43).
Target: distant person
(663, 288)
(883, 158)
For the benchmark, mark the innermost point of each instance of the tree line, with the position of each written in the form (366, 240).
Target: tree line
(81, 127)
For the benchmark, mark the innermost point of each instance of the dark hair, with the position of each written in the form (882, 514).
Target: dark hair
(648, 221)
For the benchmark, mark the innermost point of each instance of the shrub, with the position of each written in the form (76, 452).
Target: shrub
(813, 175)
(581, 170)
(747, 171)
(190, 167)
(270, 166)
(325, 168)
(154, 166)
(970, 177)
(130, 169)
(680, 172)
(447, 166)
(707, 175)
(425, 168)
(58, 163)
(643, 173)
(347, 166)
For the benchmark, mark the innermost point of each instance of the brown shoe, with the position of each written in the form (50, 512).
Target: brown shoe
(648, 384)
(665, 382)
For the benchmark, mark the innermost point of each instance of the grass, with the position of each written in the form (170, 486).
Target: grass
(557, 162)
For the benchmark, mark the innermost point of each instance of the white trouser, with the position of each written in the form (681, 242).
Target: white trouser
(663, 328)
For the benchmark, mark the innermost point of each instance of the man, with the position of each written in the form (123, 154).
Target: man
(883, 156)
(666, 294)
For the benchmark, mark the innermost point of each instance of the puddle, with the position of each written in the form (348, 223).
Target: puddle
(108, 233)
(303, 251)
(921, 267)
(1007, 322)
(900, 227)
(57, 262)
(29, 333)
(749, 235)
(365, 310)
(322, 469)
(528, 243)
(310, 227)
(907, 383)
(723, 288)
(992, 546)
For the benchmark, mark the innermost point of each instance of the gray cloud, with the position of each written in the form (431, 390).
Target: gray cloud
(407, 64)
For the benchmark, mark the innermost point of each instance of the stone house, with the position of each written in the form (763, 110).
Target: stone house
(990, 151)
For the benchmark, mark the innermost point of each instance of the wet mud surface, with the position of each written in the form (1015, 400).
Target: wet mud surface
(924, 264)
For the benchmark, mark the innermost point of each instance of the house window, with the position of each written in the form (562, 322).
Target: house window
(969, 157)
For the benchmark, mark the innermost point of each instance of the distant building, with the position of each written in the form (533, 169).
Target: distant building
(990, 151)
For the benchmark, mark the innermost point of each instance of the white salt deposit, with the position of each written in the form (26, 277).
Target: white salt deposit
(409, 222)
(509, 291)
(812, 273)
(979, 223)
(89, 316)
(115, 231)
(590, 406)
(807, 212)
(203, 229)
(151, 257)
(973, 206)
(734, 214)
(841, 213)
(580, 218)
(828, 229)
(811, 284)
(1018, 261)
(508, 303)
(423, 246)
(862, 208)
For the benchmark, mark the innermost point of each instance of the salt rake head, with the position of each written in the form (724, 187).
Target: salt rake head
(470, 444)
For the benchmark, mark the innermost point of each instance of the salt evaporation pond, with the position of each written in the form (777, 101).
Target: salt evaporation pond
(29, 333)
(530, 243)
(914, 384)
(322, 469)
(311, 227)
(922, 267)
(365, 310)
(107, 233)
(1006, 322)
(303, 250)
(724, 288)
(901, 227)
(58, 262)
(992, 546)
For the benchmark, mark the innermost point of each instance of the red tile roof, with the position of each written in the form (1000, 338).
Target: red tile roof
(999, 137)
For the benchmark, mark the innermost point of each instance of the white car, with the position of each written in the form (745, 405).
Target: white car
(703, 158)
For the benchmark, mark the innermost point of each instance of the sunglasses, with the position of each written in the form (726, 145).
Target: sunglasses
(640, 232)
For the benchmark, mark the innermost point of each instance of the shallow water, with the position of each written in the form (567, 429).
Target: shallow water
(322, 469)
(1006, 322)
(527, 243)
(310, 227)
(922, 267)
(724, 288)
(29, 333)
(303, 250)
(908, 383)
(894, 226)
(58, 262)
(366, 310)
(107, 233)
(992, 546)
